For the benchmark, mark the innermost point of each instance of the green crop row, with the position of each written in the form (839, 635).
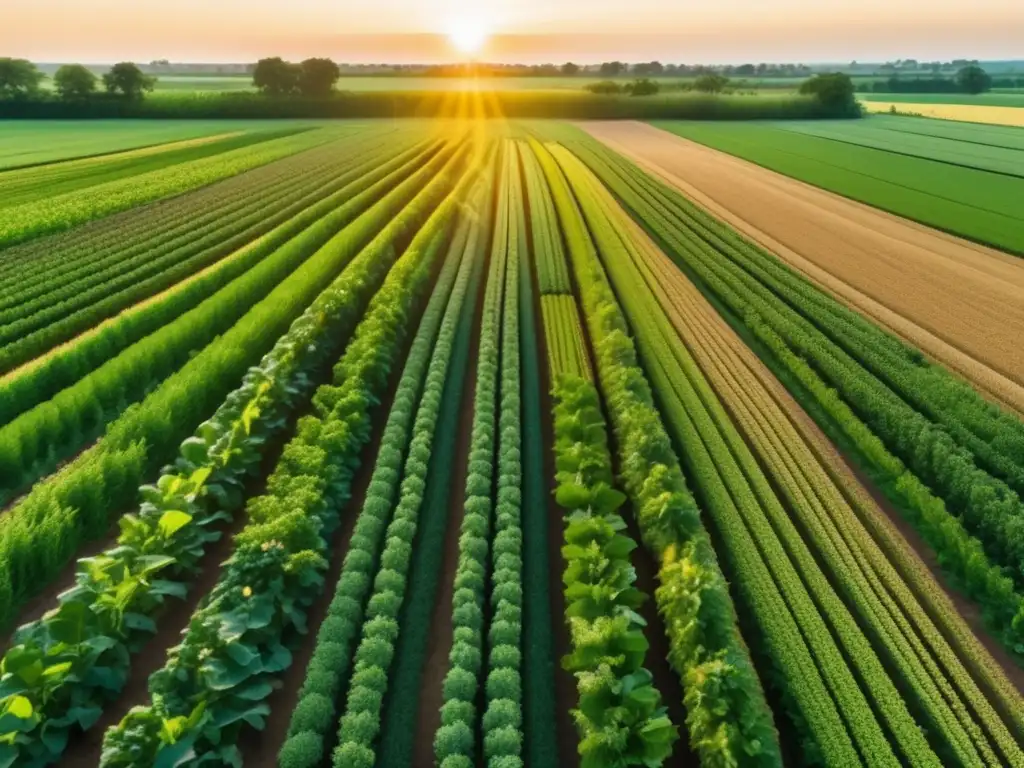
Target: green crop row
(315, 714)
(33, 184)
(455, 742)
(43, 531)
(728, 719)
(937, 687)
(566, 349)
(540, 706)
(502, 724)
(360, 723)
(31, 220)
(619, 713)
(217, 680)
(153, 228)
(40, 381)
(77, 414)
(548, 251)
(70, 663)
(70, 306)
(816, 646)
(935, 480)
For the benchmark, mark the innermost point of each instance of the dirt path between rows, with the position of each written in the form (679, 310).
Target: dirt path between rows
(959, 302)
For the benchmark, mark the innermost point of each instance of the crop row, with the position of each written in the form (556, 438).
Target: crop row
(77, 414)
(54, 318)
(456, 741)
(31, 185)
(548, 252)
(31, 220)
(386, 613)
(315, 714)
(972, 519)
(46, 296)
(45, 377)
(619, 714)
(502, 723)
(236, 643)
(938, 687)
(149, 227)
(728, 717)
(43, 531)
(67, 665)
(815, 643)
(566, 348)
(938, 691)
(540, 707)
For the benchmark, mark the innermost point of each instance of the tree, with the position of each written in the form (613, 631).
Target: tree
(275, 77)
(18, 78)
(834, 90)
(570, 69)
(128, 80)
(74, 82)
(649, 68)
(973, 80)
(317, 78)
(710, 83)
(613, 68)
(746, 70)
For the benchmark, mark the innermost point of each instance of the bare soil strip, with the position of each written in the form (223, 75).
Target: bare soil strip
(959, 302)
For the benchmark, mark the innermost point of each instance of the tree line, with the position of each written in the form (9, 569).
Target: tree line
(21, 79)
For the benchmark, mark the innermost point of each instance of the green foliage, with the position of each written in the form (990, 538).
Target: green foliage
(128, 81)
(605, 88)
(74, 82)
(973, 80)
(643, 86)
(834, 91)
(275, 76)
(619, 715)
(710, 83)
(235, 644)
(728, 716)
(19, 78)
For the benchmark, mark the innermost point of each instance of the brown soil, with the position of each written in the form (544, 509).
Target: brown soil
(435, 665)
(957, 301)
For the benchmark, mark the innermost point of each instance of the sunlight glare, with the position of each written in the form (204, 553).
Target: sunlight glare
(467, 35)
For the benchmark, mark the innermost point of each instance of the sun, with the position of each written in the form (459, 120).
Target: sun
(468, 36)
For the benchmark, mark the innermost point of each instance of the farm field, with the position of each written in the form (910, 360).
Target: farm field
(967, 113)
(375, 444)
(931, 180)
(1006, 99)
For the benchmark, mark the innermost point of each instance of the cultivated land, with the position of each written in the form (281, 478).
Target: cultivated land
(955, 300)
(460, 443)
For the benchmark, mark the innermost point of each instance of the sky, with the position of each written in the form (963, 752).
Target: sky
(530, 31)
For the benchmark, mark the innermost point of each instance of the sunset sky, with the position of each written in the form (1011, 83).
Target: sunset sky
(406, 31)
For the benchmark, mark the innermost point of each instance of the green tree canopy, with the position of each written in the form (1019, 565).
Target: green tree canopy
(74, 82)
(317, 77)
(275, 76)
(570, 69)
(834, 90)
(973, 79)
(127, 80)
(18, 78)
(643, 87)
